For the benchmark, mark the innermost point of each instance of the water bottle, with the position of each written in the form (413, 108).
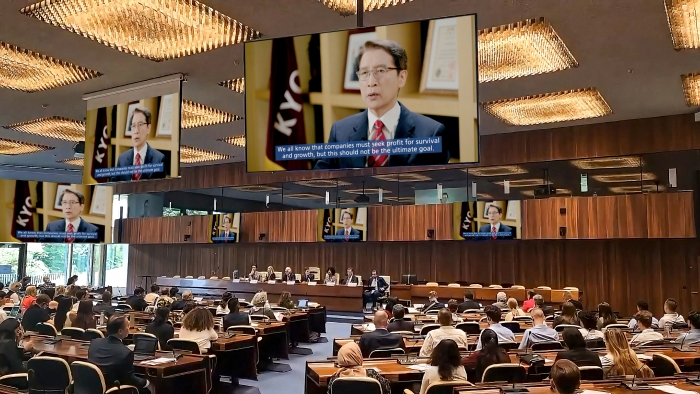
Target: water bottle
(267, 304)
(102, 318)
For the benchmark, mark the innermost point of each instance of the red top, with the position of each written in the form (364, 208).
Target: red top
(528, 304)
(27, 302)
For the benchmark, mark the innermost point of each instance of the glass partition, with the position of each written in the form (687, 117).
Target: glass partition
(80, 263)
(10, 257)
(48, 259)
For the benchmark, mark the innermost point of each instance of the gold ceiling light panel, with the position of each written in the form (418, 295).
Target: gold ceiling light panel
(529, 182)
(12, 147)
(637, 189)
(303, 196)
(529, 193)
(349, 7)
(238, 140)
(550, 107)
(367, 191)
(608, 162)
(190, 154)
(153, 29)
(74, 161)
(634, 177)
(257, 188)
(563, 191)
(321, 183)
(53, 127)
(401, 200)
(198, 115)
(403, 177)
(691, 87)
(484, 196)
(27, 71)
(237, 85)
(496, 171)
(521, 49)
(684, 21)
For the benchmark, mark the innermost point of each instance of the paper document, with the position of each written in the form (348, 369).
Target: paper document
(419, 367)
(667, 388)
(644, 357)
(157, 361)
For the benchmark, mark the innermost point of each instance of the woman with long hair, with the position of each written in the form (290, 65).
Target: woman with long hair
(29, 298)
(621, 359)
(198, 325)
(72, 280)
(605, 315)
(85, 317)
(285, 300)
(568, 316)
(10, 334)
(330, 275)
(60, 321)
(270, 273)
(445, 364)
(488, 355)
(350, 362)
(160, 327)
(59, 293)
(514, 310)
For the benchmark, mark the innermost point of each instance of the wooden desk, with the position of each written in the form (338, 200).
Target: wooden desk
(610, 386)
(419, 293)
(318, 373)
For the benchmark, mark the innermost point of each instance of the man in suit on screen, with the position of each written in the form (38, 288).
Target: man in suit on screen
(496, 229)
(72, 205)
(383, 69)
(227, 233)
(348, 233)
(141, 153)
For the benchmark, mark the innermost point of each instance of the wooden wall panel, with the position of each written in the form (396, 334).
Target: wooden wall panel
(285, 226)
(671, 217)
(409, 222)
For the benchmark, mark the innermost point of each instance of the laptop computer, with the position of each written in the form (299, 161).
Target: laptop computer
(143, 353)
(303, 304)
(14, 312)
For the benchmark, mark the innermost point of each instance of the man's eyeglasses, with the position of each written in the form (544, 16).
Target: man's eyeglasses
(378, 73)
(138, 125)
(71, 203)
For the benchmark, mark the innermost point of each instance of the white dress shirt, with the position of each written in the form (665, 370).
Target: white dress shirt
(390, 121)
(75, 223)
(444, 332)
(646, 335)
(141, 152)
(504, 334)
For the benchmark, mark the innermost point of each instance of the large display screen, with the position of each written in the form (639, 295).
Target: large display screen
(486, 220)
(51, 212)
(390, 96)
(342, 225)
(225, 228)
(131, 141)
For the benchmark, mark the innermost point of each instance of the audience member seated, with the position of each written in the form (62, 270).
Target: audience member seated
(670, 317)
(113, 358)
(539, 304)
(160, 327)
(350, 362)
(577, 352)
(29, 298)
(453, 305)
(10, 334)
(514, 310)
(71, 281)
(307, 276)
(234, 316)
(446, 331)
(642, 306)
(501, 300)
(444, 364)
(137, 301)
(377, 286)
(106, 304)
(285, 300)
(3, 314)
(399, 324)
(621, 359)
(163, 300)
(648, 334)
(173, 293)
(4, 298)
(350, 277)
(490, 353)
(47, 284)
(493, 317)
(565, 377)
(65, 306)
(589, 322)
(468, 303)
(151, 297)
(198, 325)
(180, 304)
(189, 307)
(80, 295)
(693, 335)
(14, 289)
(568, 316)
(391, 302)
(71, 290)
(330, 276)
(605, 315)
(261, 307)
(433, 302)
(529, 302)
(222, 309)
(59, 293)
(380, 338)
(37, 313)
(540, 331)
(85, 317)
(569, 298)
(271, 273)
(254, 274)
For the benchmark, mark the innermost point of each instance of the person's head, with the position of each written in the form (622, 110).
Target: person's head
(3, 295)
(330, 271)
(2, 285)
(642, 306)
(489, 340)
(227, 222)
(432, 295)
(350, 271)
(60, 290)
(399, 312)
(10, 330)
(187, 295)
(604, 309)
(199, 319)
(140, 127)
(670, 305)
(162, 315)
(307, 271)
(452, 305)
(494, 214)
(47, 280)
(624, 360)
(81, 294)
(501, 297)
(446, 357)
(85, 315)
(346, 218)
(72, 280)
(259, 299)
(644, 319)
(539, 300)
(380, 319)
(382, 71)
(225, 297)
(444, 317)
(164, 292)
(71, 290)
(568, 309)
(189, 307)
(253, 268)
(468, 296)
(694, 319)
(537, 316)
(588, 320)
(155, 289)
(43, 301)
(288, 270)
(15, 286)
(270, 270)
(139, 291)
(512, 304)
(31, 291)
(72, 204)
(493, 313)
(118, 326)
(565, 377)
(233, 305)
(530, 294)
(107, 297)
(573, 338)
(350, 355)
(285, 297)
(567, 296)
(374, 274)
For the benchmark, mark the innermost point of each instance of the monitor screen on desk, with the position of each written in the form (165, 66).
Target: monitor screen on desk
(410, 279)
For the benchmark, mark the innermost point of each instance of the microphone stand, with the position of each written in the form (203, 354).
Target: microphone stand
(638, 386)
(694, 381)
(681, 348)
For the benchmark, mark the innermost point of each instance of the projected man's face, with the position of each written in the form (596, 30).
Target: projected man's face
(382, 81)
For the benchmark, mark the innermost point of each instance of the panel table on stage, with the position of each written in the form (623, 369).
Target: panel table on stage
(418, 294)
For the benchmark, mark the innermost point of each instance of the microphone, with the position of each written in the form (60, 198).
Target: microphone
(638, 386)
(682, 348)
(694, 381)
(412, 345)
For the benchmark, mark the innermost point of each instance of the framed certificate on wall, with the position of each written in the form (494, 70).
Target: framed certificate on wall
(440, 74)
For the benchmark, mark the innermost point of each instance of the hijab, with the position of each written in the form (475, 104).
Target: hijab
(350, 361)
(8, 329)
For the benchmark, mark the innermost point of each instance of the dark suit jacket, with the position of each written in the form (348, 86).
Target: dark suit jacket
(400, 325)
(126, 159)
(353, 280)
(379, 339)
(289, 277)
(231, 239)
(434, 305)
(502, 228)
(581, 357)
(309, 278)
(353, 231)
(468, 305)
(59, 226)
(115, 361)
(411, 125)
(163, 332)
(381, 284)
(136, 303)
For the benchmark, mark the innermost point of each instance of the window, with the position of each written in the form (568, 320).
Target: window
(10, 255)
(80, 264)
(47, 259)
(117, 263)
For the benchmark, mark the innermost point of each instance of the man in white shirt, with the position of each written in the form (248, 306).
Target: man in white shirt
(141, 153)
(642, 306)
(81, 295)
(493, 316)
(648, 334)
(150, 298)
(693, 335)
(446, 331)
(670, 316)
(540, 331)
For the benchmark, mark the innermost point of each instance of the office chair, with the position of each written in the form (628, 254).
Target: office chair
(511, 373)
(48, 375)
(353, 385)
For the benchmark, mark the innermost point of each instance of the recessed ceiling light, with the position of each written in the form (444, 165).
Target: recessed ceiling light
(13, 148)
(53, 127)
(496, 171)
(238, 140)
(73, 161)
(257, 188)
(327, 183)
(190, 154)
(530, 182)
(634, 177)
(237, 85)
(349, 7)
(550, 107)
(608, 162)
(198, 115)
(683, 18)
(153, 29)
(403, 177)
(367, 191)
(563, 191)
(27, 71)
(691, 88)
(637, 188)
(520, 49)
(401, 200)
(303, 196)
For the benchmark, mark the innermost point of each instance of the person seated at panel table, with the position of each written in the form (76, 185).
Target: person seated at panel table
(288, 275)
(254, 274)
(621, 359)
(540, 331)
(160, 327)
(642, 306)
(488, 354)
(271, 273)
(589, 322)
(350, 362)
(47, 284)
(565, 377)
(576, 350)
(105, 305)
(376, 288)
(180, 304)
(151, 297)
(648, 334)
(113, 358)
(307, 276)
(433, 302)
(568, 316)
(37, 313)
(285, 300)
(235, 317)
(495, 229)
(71, 281)
(330, 276)
(514, 311)
(501, 300)
(198, 325)
(137, 301)
(468, 303)
(539, 304)
(350, 278)
(493, 317)
(380, 338)
(261, 307)
(693, 335)
(446, 331)
(444, 364)
(399, 324)
(670, 316)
